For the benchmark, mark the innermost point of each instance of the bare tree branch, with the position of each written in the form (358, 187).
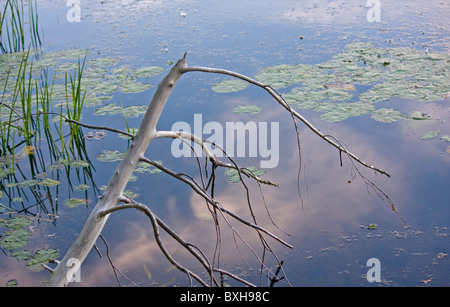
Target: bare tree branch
(113, 195)
(283, 102)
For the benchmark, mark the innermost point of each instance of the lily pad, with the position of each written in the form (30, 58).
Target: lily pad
(82, 187)
(445, 138)
(230, 86)
(252, 109)
(148, 71)
(387, 115)
(233, 174)
(49, 182)
(102, 62)
(42, 257)
(75, 202)
(18, 222)
(430, 134)
(134, 86)
(110, 156)
(110, 109)
(15, 239)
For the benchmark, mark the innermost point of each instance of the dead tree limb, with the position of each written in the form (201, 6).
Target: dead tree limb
(147, 132)
(281, 101)
(94, 225)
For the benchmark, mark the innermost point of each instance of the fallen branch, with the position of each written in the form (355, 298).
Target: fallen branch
(281, 100)
(147, 132)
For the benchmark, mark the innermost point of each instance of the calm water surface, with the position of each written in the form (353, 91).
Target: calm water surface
(329, 229)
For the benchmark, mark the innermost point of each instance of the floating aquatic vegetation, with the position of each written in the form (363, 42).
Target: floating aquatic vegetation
(389, 72)
(148, 71)
(230, 86)
(75, 202)
(42, 257)
(15, 239)
(430, 134)
(114, 109)
(416, 115)
(144, 167)
(95, 135)
(233, 175)
(445, 138)
(82, 187)
(252, 109)
(134, 86)
(387, 115)
(49, 182)
(110, 156)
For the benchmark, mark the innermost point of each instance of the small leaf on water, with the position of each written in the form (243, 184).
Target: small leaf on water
(229, 86)
(18, 222)
(445, 138)
(42, 257)
(430, 134)
(233, 174)
(82, 187)
(110, 156)
(75, 202)
(253, 109)
(387, 115)
(15, 239)
(148, 71)
(49, 182)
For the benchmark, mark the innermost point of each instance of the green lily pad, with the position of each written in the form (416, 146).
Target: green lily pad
(42, 257)
(430, 134)
(387, 115)
(230, 86)
(75, 202)
(135, 111)
(445, 138)
(82, 187)
(102, 62)
(110, 156)
(105, 88)
(49, 182)
(372, 226)
(110, 109)
(28, 183)
(416, 115)
(148, 71)
(15, 239)
(252, 109)
(21, 254)
(233, 174)
(18, 222)
(134, 86)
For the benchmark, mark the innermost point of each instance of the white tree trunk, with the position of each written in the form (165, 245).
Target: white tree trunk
(113, 194)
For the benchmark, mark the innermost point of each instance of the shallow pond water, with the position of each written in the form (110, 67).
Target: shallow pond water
(337, 224)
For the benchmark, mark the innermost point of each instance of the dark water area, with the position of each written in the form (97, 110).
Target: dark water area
(338, 223)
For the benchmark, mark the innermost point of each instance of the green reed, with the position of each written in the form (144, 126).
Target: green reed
(13, 21)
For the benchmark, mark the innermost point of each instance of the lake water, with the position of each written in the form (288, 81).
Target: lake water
(337, 224)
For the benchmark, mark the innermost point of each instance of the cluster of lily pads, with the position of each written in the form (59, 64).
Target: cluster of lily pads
(15, 237)
(331, 88)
